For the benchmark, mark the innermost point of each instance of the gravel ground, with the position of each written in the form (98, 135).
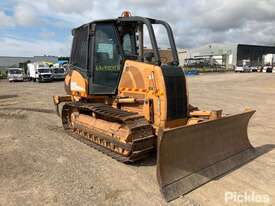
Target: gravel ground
(41, 165)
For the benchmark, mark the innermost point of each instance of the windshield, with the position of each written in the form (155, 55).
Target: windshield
(58, 70)
(15, 71)
(154, 42)
(165, 40)
(44, 71)
(162, 41)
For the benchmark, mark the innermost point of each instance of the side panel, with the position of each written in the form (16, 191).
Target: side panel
(31, 70)
(75, 84)
(163, 90)
(144, 82)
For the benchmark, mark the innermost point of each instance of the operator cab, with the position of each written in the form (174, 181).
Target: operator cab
(100, 49)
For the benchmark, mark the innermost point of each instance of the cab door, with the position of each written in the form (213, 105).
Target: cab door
(106, 63)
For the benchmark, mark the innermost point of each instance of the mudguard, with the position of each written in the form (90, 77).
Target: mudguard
(189, 156)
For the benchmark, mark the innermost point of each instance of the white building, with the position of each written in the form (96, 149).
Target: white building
(231, 55)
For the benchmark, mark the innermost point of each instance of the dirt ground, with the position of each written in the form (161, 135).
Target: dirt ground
(41, 165)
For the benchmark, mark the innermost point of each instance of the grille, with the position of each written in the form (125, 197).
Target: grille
(46, 76)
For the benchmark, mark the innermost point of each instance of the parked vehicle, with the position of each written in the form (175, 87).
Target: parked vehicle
(58, 72)
(244, 67)
(267, 69)
(39, 71)
(253, 69)
(15, 74)
(268, 61)
(260, 69)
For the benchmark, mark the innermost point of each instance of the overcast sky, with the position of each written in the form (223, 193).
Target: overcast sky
(38, 27)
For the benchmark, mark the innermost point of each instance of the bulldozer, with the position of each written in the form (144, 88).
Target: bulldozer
(130, 105)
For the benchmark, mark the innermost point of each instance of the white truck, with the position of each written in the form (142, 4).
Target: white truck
(15, 74)
(268, 61)
(39, 71)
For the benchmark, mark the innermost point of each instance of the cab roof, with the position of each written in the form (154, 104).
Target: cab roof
(117, 20)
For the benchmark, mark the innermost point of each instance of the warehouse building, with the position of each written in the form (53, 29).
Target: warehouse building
(231, 55)
(7, 61)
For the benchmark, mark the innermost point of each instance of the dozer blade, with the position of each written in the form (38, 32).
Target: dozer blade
(190, 156)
